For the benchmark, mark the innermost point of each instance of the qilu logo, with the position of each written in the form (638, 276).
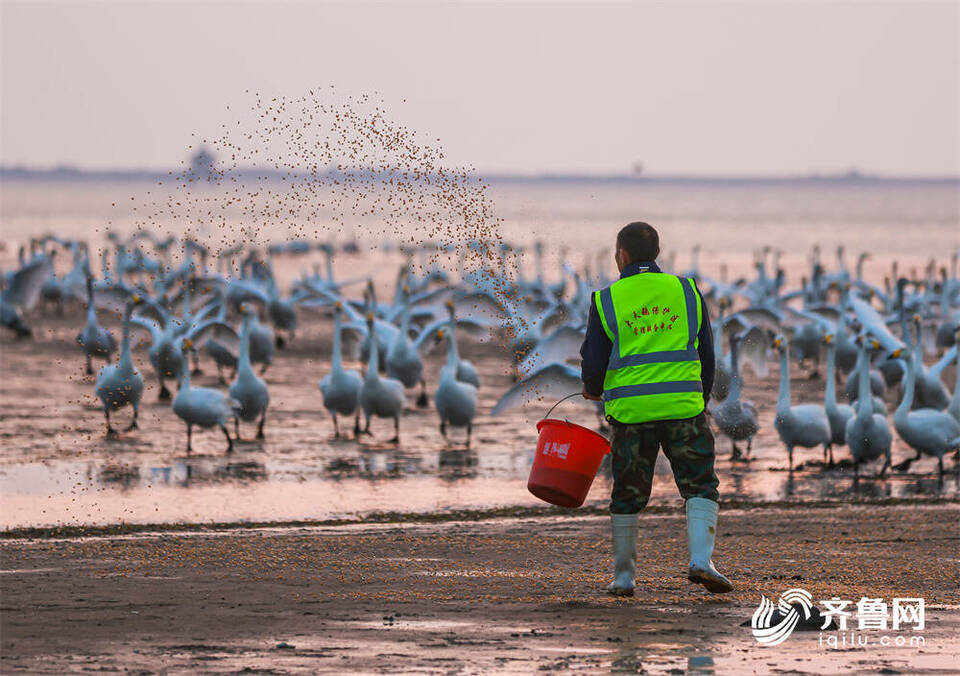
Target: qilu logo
(768, 633)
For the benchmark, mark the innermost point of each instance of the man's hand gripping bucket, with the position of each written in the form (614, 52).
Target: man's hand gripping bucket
(567, 458)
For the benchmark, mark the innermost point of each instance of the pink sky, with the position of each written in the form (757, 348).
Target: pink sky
(716, 87)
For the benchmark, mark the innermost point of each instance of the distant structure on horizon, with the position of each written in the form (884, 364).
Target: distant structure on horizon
(201, 163)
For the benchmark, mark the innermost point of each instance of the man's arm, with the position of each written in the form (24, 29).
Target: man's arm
(594, 353)
(705, 349)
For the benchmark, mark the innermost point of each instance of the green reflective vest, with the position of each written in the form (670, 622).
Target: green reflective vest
(653, 320)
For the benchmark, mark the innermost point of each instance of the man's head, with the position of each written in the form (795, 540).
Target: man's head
(636, 242)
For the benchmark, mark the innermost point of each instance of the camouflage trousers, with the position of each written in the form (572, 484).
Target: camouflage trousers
(688, 445)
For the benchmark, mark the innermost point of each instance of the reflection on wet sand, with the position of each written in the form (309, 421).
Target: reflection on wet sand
(369, 480)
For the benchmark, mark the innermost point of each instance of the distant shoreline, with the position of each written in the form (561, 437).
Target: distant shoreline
(70, 174)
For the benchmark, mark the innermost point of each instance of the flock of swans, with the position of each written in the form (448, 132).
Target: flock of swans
(877, 339)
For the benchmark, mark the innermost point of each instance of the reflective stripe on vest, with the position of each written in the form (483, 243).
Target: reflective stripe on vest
(653, 372)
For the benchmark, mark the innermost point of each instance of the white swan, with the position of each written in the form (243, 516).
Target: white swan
(867, 433)
(201, 406)
(735, 418)
(804, 425)
(456, 401)
(22, 291)
(926, 430)
(121, 384)
(248, 388)
(341, 388)
(96, 340)
(380, 397)
(466, 372)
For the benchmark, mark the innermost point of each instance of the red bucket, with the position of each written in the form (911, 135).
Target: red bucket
(568, 457)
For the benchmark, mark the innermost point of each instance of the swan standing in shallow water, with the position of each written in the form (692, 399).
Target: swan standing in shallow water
(201, 406)
(380, 397)
(96, 341)
(926, 430)
(466, 372)
(867, 433)
(736, 419)
(121, 384)
(341, 388)
(456, 401)
(248, 388)
(804, 425)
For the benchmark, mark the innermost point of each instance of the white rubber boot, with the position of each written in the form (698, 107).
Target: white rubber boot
(624, 527)
(701, 533)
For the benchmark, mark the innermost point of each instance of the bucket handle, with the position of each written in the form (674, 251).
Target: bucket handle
(560, 401)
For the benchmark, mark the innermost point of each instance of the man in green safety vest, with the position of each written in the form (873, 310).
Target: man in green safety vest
(648, 356)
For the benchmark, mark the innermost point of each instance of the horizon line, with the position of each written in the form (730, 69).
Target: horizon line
(65, 171)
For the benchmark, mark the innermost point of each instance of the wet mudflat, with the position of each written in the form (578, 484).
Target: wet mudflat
(57, 468)
(491, 596)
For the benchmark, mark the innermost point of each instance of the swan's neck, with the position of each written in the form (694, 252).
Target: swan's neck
(91, 306)
(831, 393)
(452, 349)
(243, 361)
(184, 371)
(783, 399)
(405, 317)
(337, 357)
(373, 365)
(864, 393)
(126, 360)
(452, 357)
(904, 408)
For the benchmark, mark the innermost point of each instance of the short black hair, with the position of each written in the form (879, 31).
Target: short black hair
(640, 240)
